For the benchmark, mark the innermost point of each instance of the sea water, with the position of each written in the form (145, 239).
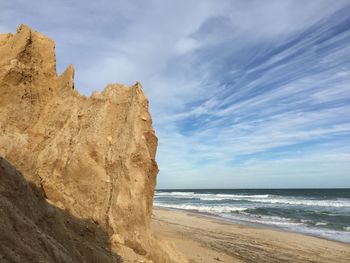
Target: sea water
(319, 212)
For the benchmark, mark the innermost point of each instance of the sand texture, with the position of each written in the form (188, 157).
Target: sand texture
(205, 239)
(92, 157)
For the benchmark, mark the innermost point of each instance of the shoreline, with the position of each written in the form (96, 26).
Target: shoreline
(206, 238)
(250, 224)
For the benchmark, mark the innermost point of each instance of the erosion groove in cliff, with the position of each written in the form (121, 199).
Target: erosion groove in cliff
(91, 157)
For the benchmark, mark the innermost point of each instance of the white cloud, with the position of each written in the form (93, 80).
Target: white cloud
(186, 45)
(218, 88)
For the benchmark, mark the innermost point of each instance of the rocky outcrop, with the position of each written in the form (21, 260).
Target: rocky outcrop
(33, 230)
(93, 158)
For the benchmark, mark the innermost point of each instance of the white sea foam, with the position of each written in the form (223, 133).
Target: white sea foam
(326, 233)
(234, 206)
(266, 220)
(174, 193)
(221, 197)
(306, 202)
(201, 208)
(208, 196)
(306, 221)
(241, 196)
(228, 212)
(268, 199)
(321, 224)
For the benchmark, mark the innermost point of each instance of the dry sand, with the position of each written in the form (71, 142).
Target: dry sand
(206, 239)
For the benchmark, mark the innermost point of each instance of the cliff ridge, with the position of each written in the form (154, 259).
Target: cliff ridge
(92, 157)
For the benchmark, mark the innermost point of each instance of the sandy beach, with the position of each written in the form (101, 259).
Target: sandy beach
(207, 239)
(175, 131)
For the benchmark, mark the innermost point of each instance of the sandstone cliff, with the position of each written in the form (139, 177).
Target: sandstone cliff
(32, 230)
(93, 158)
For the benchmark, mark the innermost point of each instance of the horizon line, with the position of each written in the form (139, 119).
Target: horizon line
(316, 188)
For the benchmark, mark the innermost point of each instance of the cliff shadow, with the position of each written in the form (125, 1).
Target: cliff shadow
(33, 230)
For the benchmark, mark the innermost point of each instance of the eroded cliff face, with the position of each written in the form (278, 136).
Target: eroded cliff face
(92, 157)
(33, 230)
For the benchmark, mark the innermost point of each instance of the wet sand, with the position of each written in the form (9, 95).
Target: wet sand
(206, 239)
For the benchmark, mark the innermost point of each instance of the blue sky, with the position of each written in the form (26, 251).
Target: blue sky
(243, 94)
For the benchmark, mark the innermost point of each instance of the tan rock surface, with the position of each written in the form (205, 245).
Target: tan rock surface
(92, 157)
(33, 230)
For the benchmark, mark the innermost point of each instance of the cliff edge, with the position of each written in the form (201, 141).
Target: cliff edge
(93, 158)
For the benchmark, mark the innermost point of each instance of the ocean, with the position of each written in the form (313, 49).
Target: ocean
(318, 212)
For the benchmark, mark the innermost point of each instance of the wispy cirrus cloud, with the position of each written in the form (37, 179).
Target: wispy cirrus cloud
(243, 93)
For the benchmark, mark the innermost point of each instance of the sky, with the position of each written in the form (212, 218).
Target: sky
(243, 94)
